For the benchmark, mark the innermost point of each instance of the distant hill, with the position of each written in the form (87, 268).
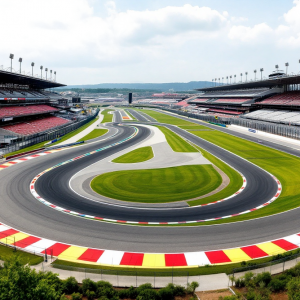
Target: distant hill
(176, 86)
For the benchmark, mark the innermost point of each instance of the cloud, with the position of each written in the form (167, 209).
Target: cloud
(257, 33)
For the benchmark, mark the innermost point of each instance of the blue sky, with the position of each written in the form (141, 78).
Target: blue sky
(92, 41)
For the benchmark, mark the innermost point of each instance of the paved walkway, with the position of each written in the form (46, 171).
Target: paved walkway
(206, 282)
(84, 132)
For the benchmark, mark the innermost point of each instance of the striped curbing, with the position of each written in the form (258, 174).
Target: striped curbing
(79, 254)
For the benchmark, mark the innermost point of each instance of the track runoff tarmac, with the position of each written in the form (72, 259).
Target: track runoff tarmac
(23, 212)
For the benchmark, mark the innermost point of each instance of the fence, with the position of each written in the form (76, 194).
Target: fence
(274, 266)
(27, 141)
(132, 277)
(279, 129)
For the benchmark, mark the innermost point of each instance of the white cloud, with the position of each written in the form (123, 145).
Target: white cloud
(257, 33)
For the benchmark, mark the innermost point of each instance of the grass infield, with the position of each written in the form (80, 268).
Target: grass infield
(107, 116)
(135, 156)
(158, 185)
(177, 143)
(94, 134)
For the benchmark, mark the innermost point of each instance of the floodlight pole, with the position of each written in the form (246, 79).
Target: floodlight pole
(32, 65)
(46, 70)
(287, 65)
(41, 67)
(246, 73)
(216, 82)
(50, 74)
(222, 80)
(230, 78)
(55, 76)
(20, 61)
(11, 56)
(227, 79)
(234, 78)
(241, 77)
(255, 74)
(261, 71)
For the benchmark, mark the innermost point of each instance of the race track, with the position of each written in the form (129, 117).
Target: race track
(19, 209)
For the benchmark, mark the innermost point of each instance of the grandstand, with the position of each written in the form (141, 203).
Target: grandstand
(26, 106)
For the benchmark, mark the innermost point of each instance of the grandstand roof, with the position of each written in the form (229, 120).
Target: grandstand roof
(267, 83)
(33, 82)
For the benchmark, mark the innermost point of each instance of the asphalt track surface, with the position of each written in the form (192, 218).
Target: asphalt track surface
(21, 211)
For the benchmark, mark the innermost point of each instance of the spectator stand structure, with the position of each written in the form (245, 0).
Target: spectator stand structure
(29, 112)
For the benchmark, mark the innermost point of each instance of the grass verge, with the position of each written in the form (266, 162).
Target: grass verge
(73, 133)
(177, 143)
(34, 147)
(135, 156)
(192, 271)
(107, 116)
(236, 181)
(94, 134)
(130, 115)
(26, 258)
(158, 185)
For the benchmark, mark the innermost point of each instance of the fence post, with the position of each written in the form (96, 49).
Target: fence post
(154, 279)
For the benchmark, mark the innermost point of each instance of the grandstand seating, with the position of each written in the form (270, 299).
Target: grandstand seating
(232, 101)
(237, 93)
(232, 112)
(36, 126)
(289, 98)
(199, 100)
(277, 116)
(182, 103)
(17, 111)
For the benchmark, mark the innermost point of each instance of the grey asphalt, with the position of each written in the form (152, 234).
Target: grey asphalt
(20, 210)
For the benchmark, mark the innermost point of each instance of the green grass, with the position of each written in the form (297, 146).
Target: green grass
(130, 115)
(177, 143)
(73, 133)
(135, 156)
(193, 271)
(34, 147)
(158, 185)
(107, 116)
(236, 181)
(195, 127)
(94, 134)
(26, 258)
(163, 118)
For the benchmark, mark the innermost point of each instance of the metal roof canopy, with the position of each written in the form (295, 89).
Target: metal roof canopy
(33, 82)
(268, 83)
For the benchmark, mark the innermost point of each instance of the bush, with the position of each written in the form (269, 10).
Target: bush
(91, 295)
(166, 293)
(130, 293)
(191, 287)
(147, 294)
(76, 296)
(70, 285)
(293, 288)
(88, 285)
(142, 287)
(277, 285)
(264, 277)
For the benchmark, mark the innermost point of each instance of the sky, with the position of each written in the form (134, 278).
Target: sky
(143, 41)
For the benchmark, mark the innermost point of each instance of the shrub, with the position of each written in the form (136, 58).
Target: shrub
(191, 287)
(277, 285)
(142, 287)
(166, 293)
(70, 285)
(91, 295)
(293, 288)
(88, 285)
(130, 293)
(147, 294)
(76, 296)
(248, 278)
(63, 297)
(264, 277)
